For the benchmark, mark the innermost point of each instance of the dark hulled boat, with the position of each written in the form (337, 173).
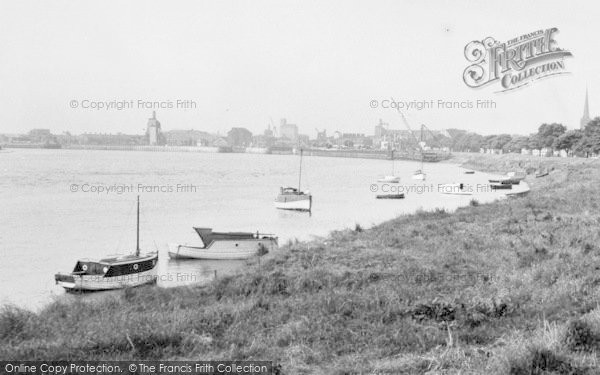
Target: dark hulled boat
(112, 272)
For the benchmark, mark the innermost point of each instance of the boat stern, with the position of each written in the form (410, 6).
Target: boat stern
(66, 281)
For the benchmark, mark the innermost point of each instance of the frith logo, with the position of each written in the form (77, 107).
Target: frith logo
(515, 63)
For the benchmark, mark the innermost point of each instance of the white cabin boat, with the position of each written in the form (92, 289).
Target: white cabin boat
(390, 179)
(290, 198)
(419, 175)
(114, 272)
(225, 245)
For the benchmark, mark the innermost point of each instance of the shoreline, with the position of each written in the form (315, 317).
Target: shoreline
(431, 157)
(461, 274)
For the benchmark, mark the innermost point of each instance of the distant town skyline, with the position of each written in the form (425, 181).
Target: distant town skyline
(245, 64)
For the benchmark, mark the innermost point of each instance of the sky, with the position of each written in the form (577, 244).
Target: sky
(319, 64)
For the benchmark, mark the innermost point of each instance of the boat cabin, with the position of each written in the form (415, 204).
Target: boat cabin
(115, 266)
(290, 191)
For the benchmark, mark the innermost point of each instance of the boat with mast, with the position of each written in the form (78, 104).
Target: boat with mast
(290, 198)
(419, 173)
(112, 272)
(392, 178)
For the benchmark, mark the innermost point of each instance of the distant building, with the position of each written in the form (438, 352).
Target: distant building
(354, 140)
(288, 131)
(381, 130)
(39, 135)
(586, 113)
(240, 137)
(111, 139)
(321, 135)
(153, 131)
(303, 140)
(220, 142)
(268, 132)
(188, 138)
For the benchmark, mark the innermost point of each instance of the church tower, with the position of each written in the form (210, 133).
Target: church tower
(153, 131)
(586, 112)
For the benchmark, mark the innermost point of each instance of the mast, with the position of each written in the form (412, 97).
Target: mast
(392, 162)
(137, 245)
(421, 144)
(300, 173)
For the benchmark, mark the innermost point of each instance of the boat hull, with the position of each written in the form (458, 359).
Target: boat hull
(223, 249)
(501, 186)
(419, 176)
(296, 203)
(100, 282)
(390, 196)
(117, 273)
(390, 179)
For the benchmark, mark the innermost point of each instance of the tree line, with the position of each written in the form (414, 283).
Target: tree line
(554, 137)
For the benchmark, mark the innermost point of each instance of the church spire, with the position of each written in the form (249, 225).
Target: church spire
(586, 112)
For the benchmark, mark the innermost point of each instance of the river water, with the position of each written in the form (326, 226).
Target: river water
(60, 205)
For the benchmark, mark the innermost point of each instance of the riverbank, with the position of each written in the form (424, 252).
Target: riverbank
(505, 287)
(428, 156)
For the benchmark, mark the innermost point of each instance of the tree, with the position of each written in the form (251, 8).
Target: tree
(568, 141)
(535, 142)
(590, 140)
(498, 141)
(516, 144)
(548, 133)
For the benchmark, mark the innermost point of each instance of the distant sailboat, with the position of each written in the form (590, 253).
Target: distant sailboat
(112, 272)
(290, 198)
(391, 179)
(419, 173)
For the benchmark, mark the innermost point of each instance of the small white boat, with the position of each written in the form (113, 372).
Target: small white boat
(517, 175)
(290, 198)
(225, 245)
(469, 171)
(455, 189)
(114, 272)
(419, 175)
(390, 179)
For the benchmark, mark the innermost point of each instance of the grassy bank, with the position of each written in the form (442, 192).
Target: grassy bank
(510, 287)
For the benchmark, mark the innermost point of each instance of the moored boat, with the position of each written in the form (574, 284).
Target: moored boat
(290, 198)
(110, 273)
(469, 171)
(115, 272)
(225, 245)
(390, 196)
(419, 175)
(505, 181)
(500, 185)
(517, 175)
(392, 178)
